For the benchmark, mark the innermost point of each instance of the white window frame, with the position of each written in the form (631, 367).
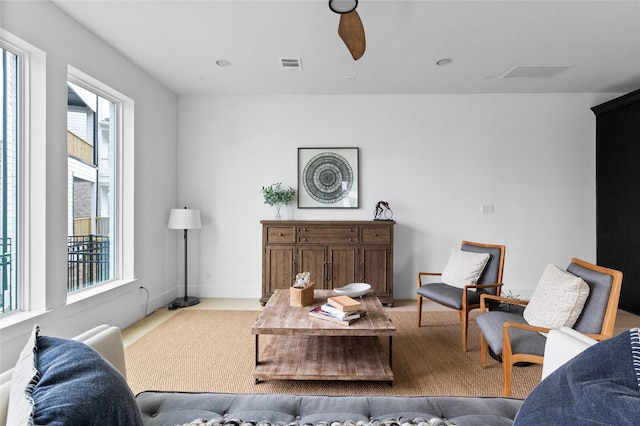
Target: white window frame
(124, 186)
(32, 197)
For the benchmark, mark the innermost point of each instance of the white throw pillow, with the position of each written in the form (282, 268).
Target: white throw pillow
(464, 268)
(558, 299)
(23, 379)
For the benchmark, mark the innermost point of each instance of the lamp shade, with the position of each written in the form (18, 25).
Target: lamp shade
(185, 219)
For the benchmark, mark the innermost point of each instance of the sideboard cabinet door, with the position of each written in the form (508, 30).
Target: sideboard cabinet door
(279, 268)
(377, 263)
(312, 258)
(343, 266)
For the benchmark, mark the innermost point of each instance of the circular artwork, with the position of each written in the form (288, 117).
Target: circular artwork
(327, 177)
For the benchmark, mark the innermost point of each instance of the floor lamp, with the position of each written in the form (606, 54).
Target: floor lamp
(184, 219)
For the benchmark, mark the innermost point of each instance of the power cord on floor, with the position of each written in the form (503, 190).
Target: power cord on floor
(146, 304)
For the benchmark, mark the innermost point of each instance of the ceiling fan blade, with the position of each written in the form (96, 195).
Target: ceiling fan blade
(351, 32)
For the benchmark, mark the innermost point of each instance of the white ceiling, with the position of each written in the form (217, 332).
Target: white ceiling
(179, 43)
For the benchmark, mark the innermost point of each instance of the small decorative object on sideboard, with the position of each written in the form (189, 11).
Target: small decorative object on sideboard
(276, 195)
(383, 211)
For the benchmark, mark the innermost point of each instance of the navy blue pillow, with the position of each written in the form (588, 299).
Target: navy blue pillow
(600, 386)
(78, 386)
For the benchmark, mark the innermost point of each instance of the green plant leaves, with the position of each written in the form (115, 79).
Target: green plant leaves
(275, 194)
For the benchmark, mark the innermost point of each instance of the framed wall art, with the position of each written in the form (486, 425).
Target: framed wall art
(328, 178)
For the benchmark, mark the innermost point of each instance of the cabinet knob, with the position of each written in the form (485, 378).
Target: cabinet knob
(280, 234)
(304, 229)
(304, 239)
(350, 239)
(375, 234)
(350, 229)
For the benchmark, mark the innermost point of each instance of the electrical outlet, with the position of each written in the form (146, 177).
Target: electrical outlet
(486, 208)
(142, 290)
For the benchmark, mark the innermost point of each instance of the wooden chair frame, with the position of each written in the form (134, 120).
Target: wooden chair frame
(466, 307)
(509, 358)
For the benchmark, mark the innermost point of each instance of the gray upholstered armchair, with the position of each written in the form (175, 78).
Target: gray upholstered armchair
(464, 298)
(514, 335)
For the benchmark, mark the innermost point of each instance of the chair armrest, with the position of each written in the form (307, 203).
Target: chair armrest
(477, 286)
(483, 286)
(483, 303)
(430, 277)
(529, 327)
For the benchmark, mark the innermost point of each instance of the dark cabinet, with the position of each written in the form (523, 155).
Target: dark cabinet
(618, 192)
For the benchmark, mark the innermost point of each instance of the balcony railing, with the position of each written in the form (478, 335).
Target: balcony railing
(88, 261)
(9, 294)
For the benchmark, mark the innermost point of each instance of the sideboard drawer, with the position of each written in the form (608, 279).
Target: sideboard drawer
(281, 234)
(328, 234)
(375, 234)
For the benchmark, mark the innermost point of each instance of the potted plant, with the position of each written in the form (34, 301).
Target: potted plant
(276, 195)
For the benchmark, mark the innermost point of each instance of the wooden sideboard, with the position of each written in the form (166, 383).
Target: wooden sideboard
(336, 253)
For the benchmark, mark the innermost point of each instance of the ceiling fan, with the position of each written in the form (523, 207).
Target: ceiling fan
(350, 28)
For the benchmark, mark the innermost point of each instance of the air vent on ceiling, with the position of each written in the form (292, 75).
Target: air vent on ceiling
(291, 64)
(535, 71)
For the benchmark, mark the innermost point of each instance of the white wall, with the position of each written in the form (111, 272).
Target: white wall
(67, 43)
(434, 158)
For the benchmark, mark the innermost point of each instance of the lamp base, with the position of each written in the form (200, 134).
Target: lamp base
(181, 302)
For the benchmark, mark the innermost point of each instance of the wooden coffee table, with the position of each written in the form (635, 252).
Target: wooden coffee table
(304, 348)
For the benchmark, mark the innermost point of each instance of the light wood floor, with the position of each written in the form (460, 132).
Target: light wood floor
(624, 320)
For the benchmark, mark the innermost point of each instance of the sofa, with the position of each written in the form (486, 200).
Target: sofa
(107, 400)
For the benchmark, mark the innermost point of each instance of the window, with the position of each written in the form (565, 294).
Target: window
(91, 123)
(100, 202)
(8, 182)
(22, 178)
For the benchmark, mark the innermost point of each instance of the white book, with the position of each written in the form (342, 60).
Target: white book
(339, 314)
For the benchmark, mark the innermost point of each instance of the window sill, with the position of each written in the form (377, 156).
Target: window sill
(19, 317)
(82, 295)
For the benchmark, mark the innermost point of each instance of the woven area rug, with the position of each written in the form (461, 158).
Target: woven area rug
(213, 351)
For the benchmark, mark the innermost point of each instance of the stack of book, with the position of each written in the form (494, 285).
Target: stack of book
(339, 309)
